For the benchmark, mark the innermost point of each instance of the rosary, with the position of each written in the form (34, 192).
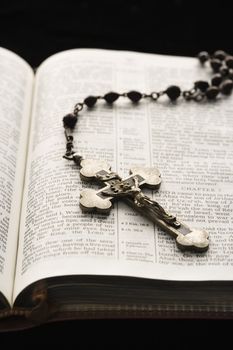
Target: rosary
(129, 189)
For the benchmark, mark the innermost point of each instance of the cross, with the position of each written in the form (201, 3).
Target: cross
(129, 190)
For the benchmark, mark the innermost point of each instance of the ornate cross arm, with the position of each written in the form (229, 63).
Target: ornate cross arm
(129, 190)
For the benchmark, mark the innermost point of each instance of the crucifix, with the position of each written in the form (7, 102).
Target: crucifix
(129, 190)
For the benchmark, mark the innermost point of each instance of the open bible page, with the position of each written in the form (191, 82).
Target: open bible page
(15, 103)
(190, 143)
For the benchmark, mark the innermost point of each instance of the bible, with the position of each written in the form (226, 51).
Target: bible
(57, 262)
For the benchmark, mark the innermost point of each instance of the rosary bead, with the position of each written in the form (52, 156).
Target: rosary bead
(134, 96)
(201, 85)
(203, 56)
(223, 71)
(111, 97)
(216, 80)
(215, 64)
(226, 87)
(90, 101)
(212, 92)
(229, 61)
(230, 74)
(220, 54)
(70, 121)
(173, 92)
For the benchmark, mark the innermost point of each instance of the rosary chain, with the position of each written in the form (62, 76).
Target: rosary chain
(221, 82)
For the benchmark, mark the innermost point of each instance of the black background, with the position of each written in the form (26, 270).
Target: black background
(37, 29)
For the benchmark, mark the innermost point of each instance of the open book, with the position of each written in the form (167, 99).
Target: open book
(57, 262)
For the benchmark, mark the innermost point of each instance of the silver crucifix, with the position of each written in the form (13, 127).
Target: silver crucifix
(129, 189)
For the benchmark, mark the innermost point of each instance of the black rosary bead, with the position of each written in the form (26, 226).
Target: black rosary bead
(216, 80)
(223, 71)
(226, 87)
(69, 121)
(111, 97)
(230, 74)
(201, 85)
(173, 92)
(215, 64)
(212, 92)
(203, 56)
(90, 101)
(229, 61)
(134, 96)
(220, 54)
